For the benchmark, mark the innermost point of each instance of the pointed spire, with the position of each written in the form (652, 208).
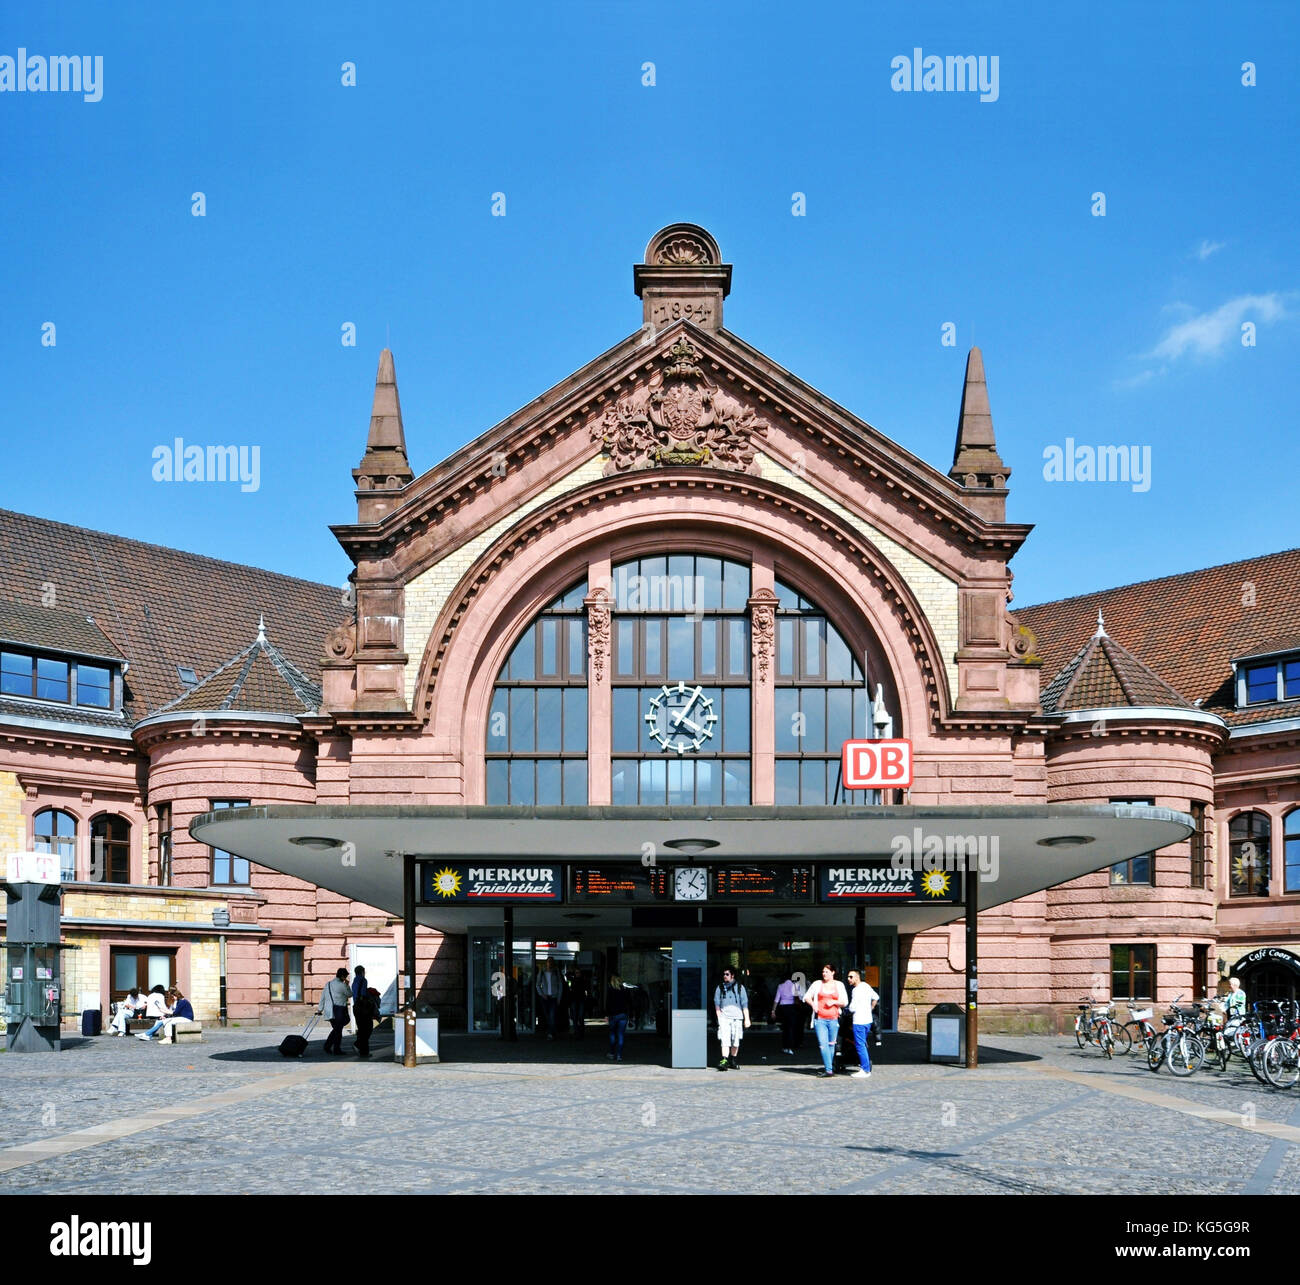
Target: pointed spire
(1101, 626)
(976, 464)
(261, 629)
(384, 466)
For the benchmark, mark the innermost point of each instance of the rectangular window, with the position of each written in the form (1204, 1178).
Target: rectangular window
(15, 674)
(286, 974)
(140, 969)
(1139, 869)
(51, 679)
(1200, 842)
(1261, 683)
(94, 686)
(1201, 984)
(1132, 972)
(1290, 679)
(229, 870)
(164, 845)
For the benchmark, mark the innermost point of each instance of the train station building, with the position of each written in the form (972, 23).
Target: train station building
(590, 682)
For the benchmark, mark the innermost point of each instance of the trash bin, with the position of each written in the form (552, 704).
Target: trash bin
(91, 1020)
(945, 1033)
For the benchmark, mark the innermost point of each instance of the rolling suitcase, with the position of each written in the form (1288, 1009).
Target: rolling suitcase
(296, 1045)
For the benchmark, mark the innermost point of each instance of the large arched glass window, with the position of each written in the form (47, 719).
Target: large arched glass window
(821, 700)
(55, 831)
(1249, 834)
(537, 729)
(110, 849)
(680, 679)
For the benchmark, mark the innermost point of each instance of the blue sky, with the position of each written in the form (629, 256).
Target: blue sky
(371, 204)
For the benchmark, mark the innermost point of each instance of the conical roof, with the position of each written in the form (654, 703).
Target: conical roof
(1103, 674)
(259, 680)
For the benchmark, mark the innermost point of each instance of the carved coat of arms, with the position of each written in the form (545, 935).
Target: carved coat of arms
(679, 418)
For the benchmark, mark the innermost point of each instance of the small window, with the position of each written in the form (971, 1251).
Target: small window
(1136, 870)
(187, 675)
(1261, 683)
(229, 870)
(1249, 837)
(15, 674)
(94, 686)
(286, 974)
(1291, 834)
(165, 845)
(1291, 679)
(110, 850)
(1132, 972)
(55, 831)
(1200, 844)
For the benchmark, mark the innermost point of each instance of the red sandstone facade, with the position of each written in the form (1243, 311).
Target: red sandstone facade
(681, 440)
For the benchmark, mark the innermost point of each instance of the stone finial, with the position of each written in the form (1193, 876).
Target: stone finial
(1101, 626)
(261, 629)
(683, 278)
(384, 466)
(976, 464)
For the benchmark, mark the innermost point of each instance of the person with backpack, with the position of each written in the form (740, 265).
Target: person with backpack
(365, 1011)
(827, 999)
(731, 1003)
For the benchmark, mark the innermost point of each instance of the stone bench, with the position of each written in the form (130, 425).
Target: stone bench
(183, 1033)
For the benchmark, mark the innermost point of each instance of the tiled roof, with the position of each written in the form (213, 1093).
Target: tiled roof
(1188, 628)
(259, 679)
(162, 607)
(1105, 675)
(71, 715)
(53, 629)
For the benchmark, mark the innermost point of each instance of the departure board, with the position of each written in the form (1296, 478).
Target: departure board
(761, 883)
(621, 883)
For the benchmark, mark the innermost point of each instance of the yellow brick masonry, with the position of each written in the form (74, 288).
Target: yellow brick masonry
(935, 592)
(13, 826)
(428, 592)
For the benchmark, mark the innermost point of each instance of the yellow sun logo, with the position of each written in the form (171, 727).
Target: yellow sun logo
(934, 883)
(446, 883)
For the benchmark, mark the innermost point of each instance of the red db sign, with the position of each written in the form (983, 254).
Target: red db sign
(877, 765)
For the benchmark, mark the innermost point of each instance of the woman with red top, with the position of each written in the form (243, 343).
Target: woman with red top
(827, 999)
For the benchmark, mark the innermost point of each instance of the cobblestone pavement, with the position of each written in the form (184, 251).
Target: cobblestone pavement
(229, 1115)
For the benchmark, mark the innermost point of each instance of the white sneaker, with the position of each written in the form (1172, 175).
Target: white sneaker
(860, 1074)
(142, 1036)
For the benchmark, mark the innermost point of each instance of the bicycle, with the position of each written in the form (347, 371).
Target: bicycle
(1178, 1045)
(1138, 1028)
(1094, 1024)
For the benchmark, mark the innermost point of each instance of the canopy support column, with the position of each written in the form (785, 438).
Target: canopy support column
(972, 878)
(508, 1031)
(408, 953)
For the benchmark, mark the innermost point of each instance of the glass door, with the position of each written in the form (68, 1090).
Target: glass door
(487, 982)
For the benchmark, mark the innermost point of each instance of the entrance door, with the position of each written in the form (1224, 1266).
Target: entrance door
(487, 982)
(380, 963)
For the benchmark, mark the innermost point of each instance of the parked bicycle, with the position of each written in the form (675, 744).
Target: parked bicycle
(1178, 1045)
(1095, 1024)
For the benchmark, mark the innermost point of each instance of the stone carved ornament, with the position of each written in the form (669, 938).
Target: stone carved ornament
(341, 642)
(679, 417)
(762, 626)
(598, 605)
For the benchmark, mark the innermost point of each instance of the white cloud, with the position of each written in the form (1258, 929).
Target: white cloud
(1209, 333)
(1207, 248)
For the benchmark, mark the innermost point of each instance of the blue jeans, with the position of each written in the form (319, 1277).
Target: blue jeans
(828, 1032)
(617, 1029)
(154, 1029)
(860, 1033)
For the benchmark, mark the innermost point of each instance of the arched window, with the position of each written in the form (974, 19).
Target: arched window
(680, 680)
(1291, 836)
(55, 831)
(110, 849)
(1249, 834)
(821, 700)
(537, 728)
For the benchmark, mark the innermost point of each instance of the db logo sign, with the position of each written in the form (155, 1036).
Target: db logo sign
(877, 765)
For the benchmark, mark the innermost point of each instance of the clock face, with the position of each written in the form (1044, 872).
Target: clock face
(691, 883)
(681, 718)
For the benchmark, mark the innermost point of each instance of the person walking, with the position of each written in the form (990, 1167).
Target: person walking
(787, 1008)
(827, 999)
(365, 1009)
(334, 1007)
(731, 1003)
(862, 999)
(616, 1016)
(548, 991)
